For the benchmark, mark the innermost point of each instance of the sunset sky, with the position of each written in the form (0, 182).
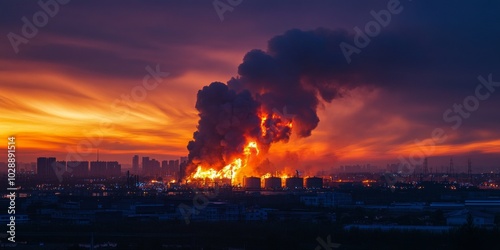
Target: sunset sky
(63, 92)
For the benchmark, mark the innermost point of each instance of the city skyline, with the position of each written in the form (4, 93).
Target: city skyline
(250, 124)
(453, 166)
(90, 85)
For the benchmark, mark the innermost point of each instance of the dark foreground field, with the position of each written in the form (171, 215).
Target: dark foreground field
(269, 235)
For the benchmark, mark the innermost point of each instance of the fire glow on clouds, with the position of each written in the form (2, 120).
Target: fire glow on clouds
(61, 86)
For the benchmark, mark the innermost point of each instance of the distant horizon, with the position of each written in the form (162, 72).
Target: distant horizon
(315, 85)
(259, 124)
(460, 163)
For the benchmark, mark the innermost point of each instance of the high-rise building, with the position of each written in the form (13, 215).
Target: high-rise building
(150, 167)
(145, 165)
(171, 163)
(78, 168)
(183, 167)
(135, 164)
(154, 168)
(45, 167)
(60, 167)
(97, 168)
(113, 169)
(171, 167)
(184, 159)
(164, 167)
(105, 169)
(176, 168)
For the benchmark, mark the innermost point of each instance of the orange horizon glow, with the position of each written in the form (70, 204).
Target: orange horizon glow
(56, 110)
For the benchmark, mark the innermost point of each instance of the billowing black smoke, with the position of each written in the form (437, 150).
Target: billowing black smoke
(226, 119)
(299, 70)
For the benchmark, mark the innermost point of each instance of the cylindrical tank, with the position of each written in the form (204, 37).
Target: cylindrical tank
(251, 182)
(272, 183)
(314, 183)
(294, 183)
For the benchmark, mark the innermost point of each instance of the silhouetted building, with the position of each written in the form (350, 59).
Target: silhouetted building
(154, 168)
(182, 170)
(183, 167)
(60, 168)
(171, 164)
(113, 169)
(97, 168)
(164, 167)
(135, 164)
(184, 159)
(173, 167)
(145, 165)
(105, 169)
(45, 167)
(78, 168)
(150, 167)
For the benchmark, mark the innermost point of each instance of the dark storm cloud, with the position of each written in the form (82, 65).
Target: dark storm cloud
(114, 39)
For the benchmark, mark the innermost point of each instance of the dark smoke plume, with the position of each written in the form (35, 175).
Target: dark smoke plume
(299, 70)
(226, 118)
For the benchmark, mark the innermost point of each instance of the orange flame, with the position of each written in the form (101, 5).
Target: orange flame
(272, 124)
(282, 176)
(231, 170)
(252, 146)
(227, 172)
(263, 118)
(266, 176)
(234, 169)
